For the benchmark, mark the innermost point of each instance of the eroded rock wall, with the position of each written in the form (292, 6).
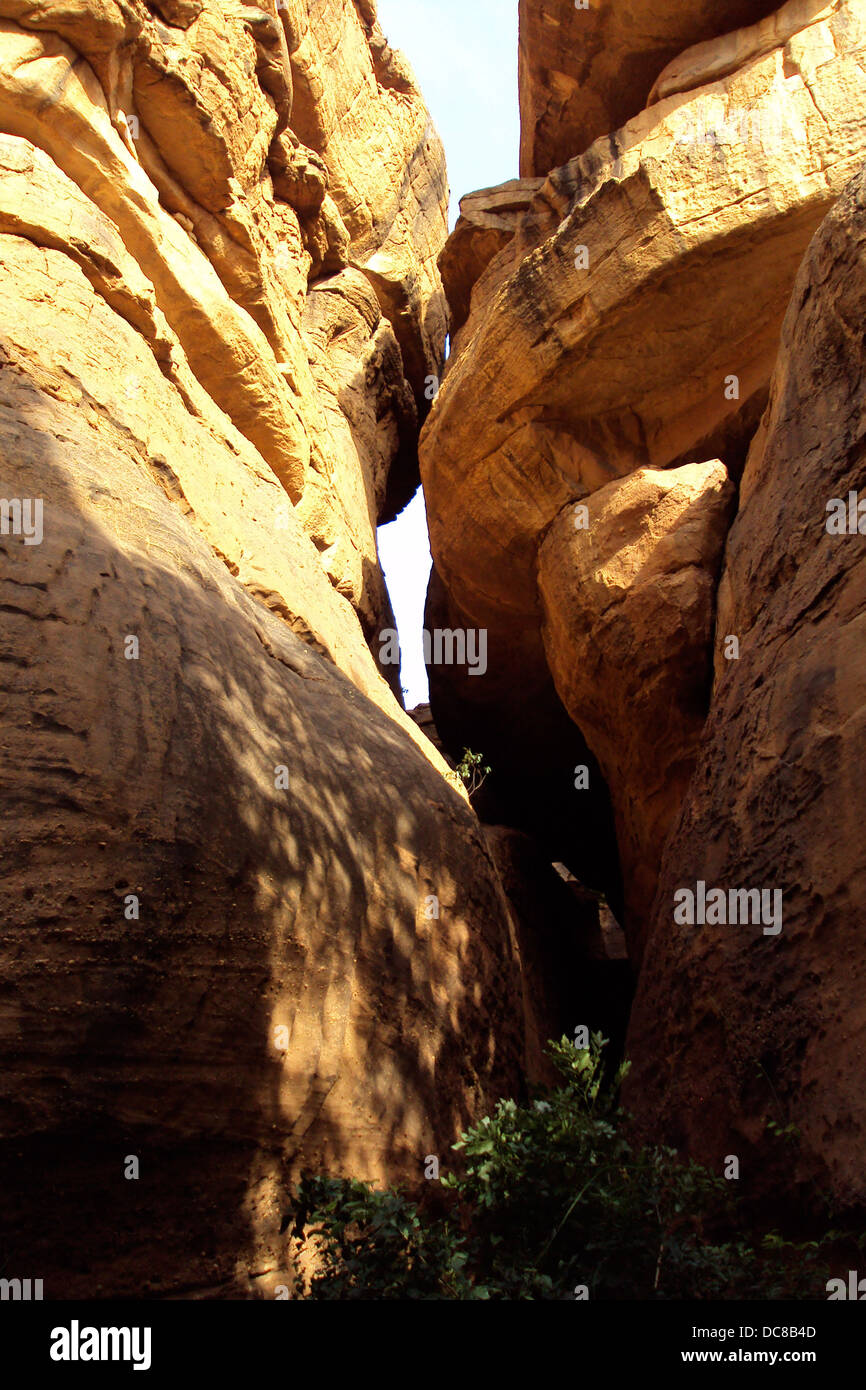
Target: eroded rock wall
(635, 406)
(248, 924)
(587, 66)
(744, 1024)
(628, 321)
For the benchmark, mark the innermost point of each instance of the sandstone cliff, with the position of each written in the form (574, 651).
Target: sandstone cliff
(630, 321)
(586, 67)
(247, 923)
(763, 1025)
(627, 469)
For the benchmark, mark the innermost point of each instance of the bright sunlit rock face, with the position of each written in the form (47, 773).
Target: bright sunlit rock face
(587, 67)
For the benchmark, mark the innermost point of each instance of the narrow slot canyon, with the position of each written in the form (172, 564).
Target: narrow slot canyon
(431, 651)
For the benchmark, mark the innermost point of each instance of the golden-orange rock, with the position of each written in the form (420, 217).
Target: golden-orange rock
(630, 320)
(587, 66)
(628, 587)
(248, 923)
(750, 1022)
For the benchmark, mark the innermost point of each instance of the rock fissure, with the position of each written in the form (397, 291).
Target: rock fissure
(251, 923)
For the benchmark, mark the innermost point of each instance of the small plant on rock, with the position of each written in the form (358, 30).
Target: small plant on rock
(473, 771)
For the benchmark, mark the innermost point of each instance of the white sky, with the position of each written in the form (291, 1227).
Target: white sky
(464, 53)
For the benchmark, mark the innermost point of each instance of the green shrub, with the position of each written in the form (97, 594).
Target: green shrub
(550, 1196)
(473, 771)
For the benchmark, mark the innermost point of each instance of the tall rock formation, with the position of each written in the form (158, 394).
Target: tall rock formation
(631, 321)
(247, 924)
(620, 393)
(746, 1023)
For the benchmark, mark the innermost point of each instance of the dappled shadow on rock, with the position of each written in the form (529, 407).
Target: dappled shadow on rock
(284, 997)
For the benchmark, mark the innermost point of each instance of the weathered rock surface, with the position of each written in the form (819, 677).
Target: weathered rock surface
(173, 132)
(692, 236)
(630, 321)
(487, 222)
(357, 105)
(734, 1028)
(249, 923)
(368, 409)
(628, 590)
(218, 822)
(259, 908)
(586, 69)
(717, 58)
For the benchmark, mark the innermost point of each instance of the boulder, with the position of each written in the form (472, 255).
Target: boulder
(628, 587)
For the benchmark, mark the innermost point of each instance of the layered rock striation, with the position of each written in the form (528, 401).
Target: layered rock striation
(746, 1024)
(630, 322)
(585, 68)
(248, 924)
(643, 472)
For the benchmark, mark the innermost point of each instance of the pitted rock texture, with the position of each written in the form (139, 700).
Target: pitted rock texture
(179, 133)
(690, 237)
(267, 900)
(587, 66)
(487, 222)
(630, 321)
(733, 1028)
(357, 105)
(223, 837)
(628, 587)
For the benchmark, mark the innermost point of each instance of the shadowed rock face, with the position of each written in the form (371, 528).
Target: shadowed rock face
(572, 973)
(264, 902)
(630, 321)
(734, 1029)
(247, 923)
(628, 591)
(586, 69)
